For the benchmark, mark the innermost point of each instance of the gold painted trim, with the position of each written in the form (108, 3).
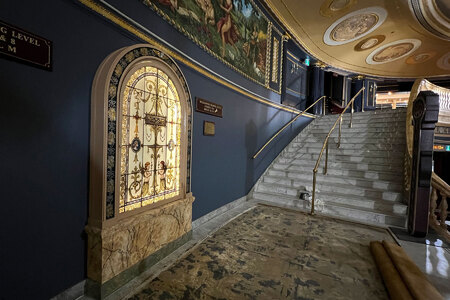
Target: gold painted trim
(132, 29)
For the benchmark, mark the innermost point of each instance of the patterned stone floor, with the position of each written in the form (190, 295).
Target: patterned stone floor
(275, 253)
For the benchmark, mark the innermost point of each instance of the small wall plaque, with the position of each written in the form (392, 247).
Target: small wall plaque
(24, 46)
(209, 128)
(209, 108)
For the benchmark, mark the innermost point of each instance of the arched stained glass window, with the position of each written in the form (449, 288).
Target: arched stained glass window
(150, 139)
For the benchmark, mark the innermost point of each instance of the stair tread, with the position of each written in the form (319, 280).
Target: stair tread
(321, 176)
(339, 185)
(330, 164)
(331, 203)
(310, 170)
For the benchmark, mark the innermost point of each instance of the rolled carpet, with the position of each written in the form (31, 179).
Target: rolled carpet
(416, 282)
(396, 287)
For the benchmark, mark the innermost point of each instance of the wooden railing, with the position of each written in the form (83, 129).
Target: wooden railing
(440, 185)
(444, 118)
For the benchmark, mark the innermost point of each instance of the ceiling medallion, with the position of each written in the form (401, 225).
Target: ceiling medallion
(393, 51)
(354, 26)
(370, 42)
(420, 58)
(332, 7)
(444, 62)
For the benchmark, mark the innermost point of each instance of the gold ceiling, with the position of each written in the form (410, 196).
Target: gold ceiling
(387, 38)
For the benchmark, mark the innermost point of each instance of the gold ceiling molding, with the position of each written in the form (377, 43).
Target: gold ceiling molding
(308, 25)
(420, 57)
(126, 25)
(444, 62)
(332, 7)
(370, 42)
(393, 51)
(354, 26)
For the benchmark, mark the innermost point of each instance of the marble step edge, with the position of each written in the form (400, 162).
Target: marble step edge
(303, 207)
(357, 191)
(357, 123)
(336, 172)
(367, 131)
(345, 213)
(268, 195)
(368, 114)
(332, 165)
(332, 177)
(345, 141)
(390, 187)
(400, 118)
(347, 151)
(336, 152)
(397, 161)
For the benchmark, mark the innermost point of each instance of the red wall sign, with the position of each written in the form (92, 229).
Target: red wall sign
(24, 46)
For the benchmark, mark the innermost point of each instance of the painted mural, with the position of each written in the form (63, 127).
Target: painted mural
(234, 31)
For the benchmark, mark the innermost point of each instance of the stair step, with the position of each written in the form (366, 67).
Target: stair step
(344, 158)
(295, 187)
(295, 146)
(361, 185)
(362, 166)
(321, 124)
(355, 129)
(273, 175)
(345, 141)
(333, 150)
(365, 203)
(333, 209)
(280, 169)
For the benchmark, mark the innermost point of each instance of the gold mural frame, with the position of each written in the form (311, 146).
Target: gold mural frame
(280, 62)
(172, 22)
(127, 26)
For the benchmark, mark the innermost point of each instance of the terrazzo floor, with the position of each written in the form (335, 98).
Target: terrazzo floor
(274, 253)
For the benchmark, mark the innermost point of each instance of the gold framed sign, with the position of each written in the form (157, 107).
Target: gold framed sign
(209, 128)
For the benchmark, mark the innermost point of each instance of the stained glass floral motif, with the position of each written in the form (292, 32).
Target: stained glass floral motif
(150, 140)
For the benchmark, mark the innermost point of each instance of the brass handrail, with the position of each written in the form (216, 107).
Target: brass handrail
(289, 123)
(325, 145)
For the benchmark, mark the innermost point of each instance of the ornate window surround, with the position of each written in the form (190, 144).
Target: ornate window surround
(107, 94)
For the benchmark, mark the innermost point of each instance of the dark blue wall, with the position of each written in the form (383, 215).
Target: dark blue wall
(44, 149)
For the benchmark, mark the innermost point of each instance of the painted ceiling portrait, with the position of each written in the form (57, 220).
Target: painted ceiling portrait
(234, 31)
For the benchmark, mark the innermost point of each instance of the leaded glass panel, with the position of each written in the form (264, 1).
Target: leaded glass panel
(150, 141)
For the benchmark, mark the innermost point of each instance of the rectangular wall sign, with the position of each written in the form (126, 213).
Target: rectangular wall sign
(209, 128)
(25, 46)
(209, 108)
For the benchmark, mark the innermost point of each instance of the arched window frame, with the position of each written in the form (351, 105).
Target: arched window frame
(106, 117)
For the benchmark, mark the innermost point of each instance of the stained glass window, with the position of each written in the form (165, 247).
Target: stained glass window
(150, 140)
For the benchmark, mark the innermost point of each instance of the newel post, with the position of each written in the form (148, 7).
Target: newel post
(425, 116)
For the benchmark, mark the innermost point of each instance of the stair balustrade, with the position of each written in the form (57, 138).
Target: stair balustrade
(325, 144)
(438, 224)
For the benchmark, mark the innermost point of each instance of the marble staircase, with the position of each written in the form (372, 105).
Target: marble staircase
(364, 182)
